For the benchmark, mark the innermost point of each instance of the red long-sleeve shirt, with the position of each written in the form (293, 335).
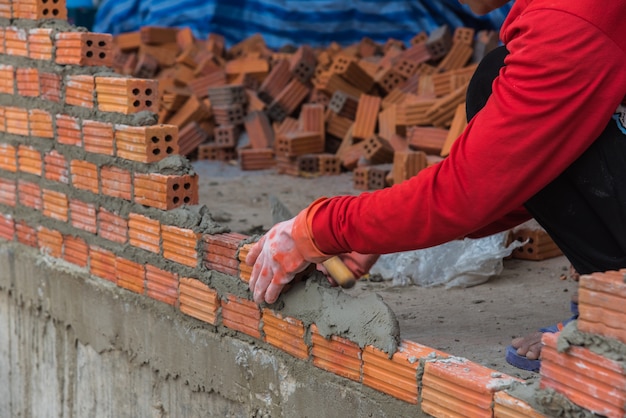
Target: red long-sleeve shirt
(564, 77)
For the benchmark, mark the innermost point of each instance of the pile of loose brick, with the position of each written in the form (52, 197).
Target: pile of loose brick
(89, 176)
(382, 111)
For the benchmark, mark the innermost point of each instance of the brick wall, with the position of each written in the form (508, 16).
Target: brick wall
(87, 175)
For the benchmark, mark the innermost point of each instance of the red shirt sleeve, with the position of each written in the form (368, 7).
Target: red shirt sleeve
(563, 80)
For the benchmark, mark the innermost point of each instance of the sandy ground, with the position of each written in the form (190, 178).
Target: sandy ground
(476, 323)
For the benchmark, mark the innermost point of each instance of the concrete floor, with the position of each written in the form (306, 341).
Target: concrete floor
(476, 323)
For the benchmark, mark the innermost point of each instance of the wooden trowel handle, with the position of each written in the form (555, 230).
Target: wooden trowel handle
(340, 272)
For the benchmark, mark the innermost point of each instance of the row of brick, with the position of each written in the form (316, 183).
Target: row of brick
(417, 374)
(155, 190)
(105, 93)
(33, 9)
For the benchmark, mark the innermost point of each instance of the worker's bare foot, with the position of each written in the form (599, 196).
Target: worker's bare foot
(528, 346)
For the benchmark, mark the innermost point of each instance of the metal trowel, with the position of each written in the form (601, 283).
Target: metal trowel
(335, 267)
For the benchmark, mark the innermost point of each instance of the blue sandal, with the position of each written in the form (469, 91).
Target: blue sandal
(521, 362)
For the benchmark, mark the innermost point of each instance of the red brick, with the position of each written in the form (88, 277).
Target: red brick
(84, 175)
(130, 275)
(16, 42)
(50, 242)
(165, 191)
(8, 192)
(336, 354)
(40, 123)
(16, 121)
(144, 233)
(39, 9)
(29, 194)
(83, 215)
(3, 121)
(25, 234)
(127, 95)
(241, 315)
(8, 158)
(7, 79)
(7, 227)
(75, 251)
(98, 137)
(198, 300)
(55, 167)
(146, 144)
(79, 90)
(161, 285)
(102, 263)
(285, 333)
(40, 44)
(84, 49)
(460, 388)
(29, 160)
(180, 245)
(50, 86)
(116, 182)
(55, 205)
(6, 13)
(508, 406)
(69, 131)
(27, 82)
(112, 226)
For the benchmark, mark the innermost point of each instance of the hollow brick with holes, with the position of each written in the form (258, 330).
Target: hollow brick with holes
(98, 137)
(165, 191)
(55, 205)
(285, 333)
(350, 70)
(219, 252)
(29, 160)
(256, 158)
(127, 95)
(277, 79)
(198, 300)
(27, 81)
(83, 215)
(102, 263)
(144, 233)
(25, 234)
(116, 182)
(56, 167)
(40, 123)
(6, 13)
(302, 63)
(40, 9)
(29, 194)
(180, 245)
(336, 354)
(16, 120)
(79, 90)
(7, 227)
(146, 144)
(241, 315)
(84, 175)
(161, 285)
(130, 275)
(112, 226)
(8, 192)
(50, 242)
(227, 135)
(16, 41)
(7, 79)
(190, 136)
(40, 44)
(75, 250)
(84, 49)
(69, 130)
(8, 158)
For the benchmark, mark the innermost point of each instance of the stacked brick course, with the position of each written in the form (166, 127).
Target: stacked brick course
(88, 175)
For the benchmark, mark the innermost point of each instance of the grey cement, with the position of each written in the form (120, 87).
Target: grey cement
(74, 346)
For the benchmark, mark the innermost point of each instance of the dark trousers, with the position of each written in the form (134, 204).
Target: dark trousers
(584, 209)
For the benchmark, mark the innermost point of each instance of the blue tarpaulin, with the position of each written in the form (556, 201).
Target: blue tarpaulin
(282, 22)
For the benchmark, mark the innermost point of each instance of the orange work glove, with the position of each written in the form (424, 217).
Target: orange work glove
(286, 250)
(359, 264)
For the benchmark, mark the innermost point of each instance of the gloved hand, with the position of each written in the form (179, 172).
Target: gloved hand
(286, 250)
(359, 264)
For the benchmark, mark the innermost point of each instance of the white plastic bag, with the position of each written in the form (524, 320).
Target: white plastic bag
(460, 263)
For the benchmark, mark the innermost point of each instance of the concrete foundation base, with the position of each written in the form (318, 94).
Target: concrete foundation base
(75, 346)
